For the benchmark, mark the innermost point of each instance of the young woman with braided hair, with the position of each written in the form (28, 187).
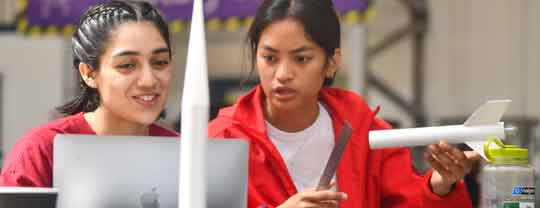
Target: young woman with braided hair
(122, 52)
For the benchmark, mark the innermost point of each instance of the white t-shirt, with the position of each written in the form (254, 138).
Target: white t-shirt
(305, 152)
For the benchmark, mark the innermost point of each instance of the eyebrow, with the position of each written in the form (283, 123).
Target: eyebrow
(297, 50)
(126, 53)
(135, 53)
(268, 48)
(161, 50)
(301, 49)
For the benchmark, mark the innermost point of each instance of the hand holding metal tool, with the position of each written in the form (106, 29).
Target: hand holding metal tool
(335, 157)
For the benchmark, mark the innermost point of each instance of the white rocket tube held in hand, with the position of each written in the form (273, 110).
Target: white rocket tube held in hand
(195, 110)
(481, 125)
(429, 135)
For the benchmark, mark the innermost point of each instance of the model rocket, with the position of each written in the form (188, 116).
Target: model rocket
(484, 123)
(195, 110)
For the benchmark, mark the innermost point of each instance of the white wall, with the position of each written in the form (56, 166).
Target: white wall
(32, 71)
(488, 53)
(476, 51)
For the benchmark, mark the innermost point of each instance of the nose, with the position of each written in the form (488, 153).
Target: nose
(147, 79)
(284, 72)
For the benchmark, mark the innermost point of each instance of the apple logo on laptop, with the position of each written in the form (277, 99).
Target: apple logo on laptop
(150, 199)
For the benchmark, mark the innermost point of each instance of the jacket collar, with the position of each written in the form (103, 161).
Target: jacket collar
(248, 111)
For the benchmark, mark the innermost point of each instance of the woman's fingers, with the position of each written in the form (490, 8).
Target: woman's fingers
(329, 204)
(317, 196)
(446, 174)
(451, 163)
(472, 155)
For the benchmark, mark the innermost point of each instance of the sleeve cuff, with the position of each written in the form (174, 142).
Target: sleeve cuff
(458, 197)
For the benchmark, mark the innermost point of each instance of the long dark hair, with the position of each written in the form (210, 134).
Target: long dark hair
(318, 18)
(91, 38)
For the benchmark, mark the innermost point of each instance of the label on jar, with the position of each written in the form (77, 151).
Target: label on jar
(522, 190)
(518, 205)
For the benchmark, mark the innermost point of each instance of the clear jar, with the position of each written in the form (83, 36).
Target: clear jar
(508, 180)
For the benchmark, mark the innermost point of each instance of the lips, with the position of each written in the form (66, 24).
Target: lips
(283, 93)
(147, 100)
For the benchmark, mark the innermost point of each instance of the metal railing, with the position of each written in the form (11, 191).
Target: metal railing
(417, 29)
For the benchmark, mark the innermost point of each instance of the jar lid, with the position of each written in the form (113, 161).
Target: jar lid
(503, 151)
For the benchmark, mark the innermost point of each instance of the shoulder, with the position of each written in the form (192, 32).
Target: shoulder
(44, 134)
(346, 101)
(41, 138)
(379, 124)
(343, 97)
(222, 124)
(32, 142)
(29, 162)
(346, 105)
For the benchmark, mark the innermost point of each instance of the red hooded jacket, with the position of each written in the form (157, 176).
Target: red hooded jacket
(371, 178)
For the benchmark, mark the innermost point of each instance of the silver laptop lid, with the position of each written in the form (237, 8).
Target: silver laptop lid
(130, 171)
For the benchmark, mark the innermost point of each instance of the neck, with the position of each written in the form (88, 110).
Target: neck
(106, 123)
(293, 120)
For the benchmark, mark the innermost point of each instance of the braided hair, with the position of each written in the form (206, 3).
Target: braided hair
(91, 38)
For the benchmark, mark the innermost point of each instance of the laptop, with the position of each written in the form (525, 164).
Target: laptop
(130, 171)
(27, 197)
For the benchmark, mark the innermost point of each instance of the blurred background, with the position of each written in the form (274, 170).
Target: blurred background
(425, 62)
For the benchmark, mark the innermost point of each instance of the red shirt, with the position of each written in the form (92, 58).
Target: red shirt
(30, 161)
(371, 178)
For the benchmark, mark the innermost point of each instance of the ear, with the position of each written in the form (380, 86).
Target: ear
(334, 63)
(88, 75)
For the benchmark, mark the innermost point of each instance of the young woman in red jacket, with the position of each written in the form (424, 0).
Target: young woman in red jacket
(293, 116)
(121, 51)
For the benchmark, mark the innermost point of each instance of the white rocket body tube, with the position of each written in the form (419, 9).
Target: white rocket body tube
(431, 135)
(195, 110)
(481, 125)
